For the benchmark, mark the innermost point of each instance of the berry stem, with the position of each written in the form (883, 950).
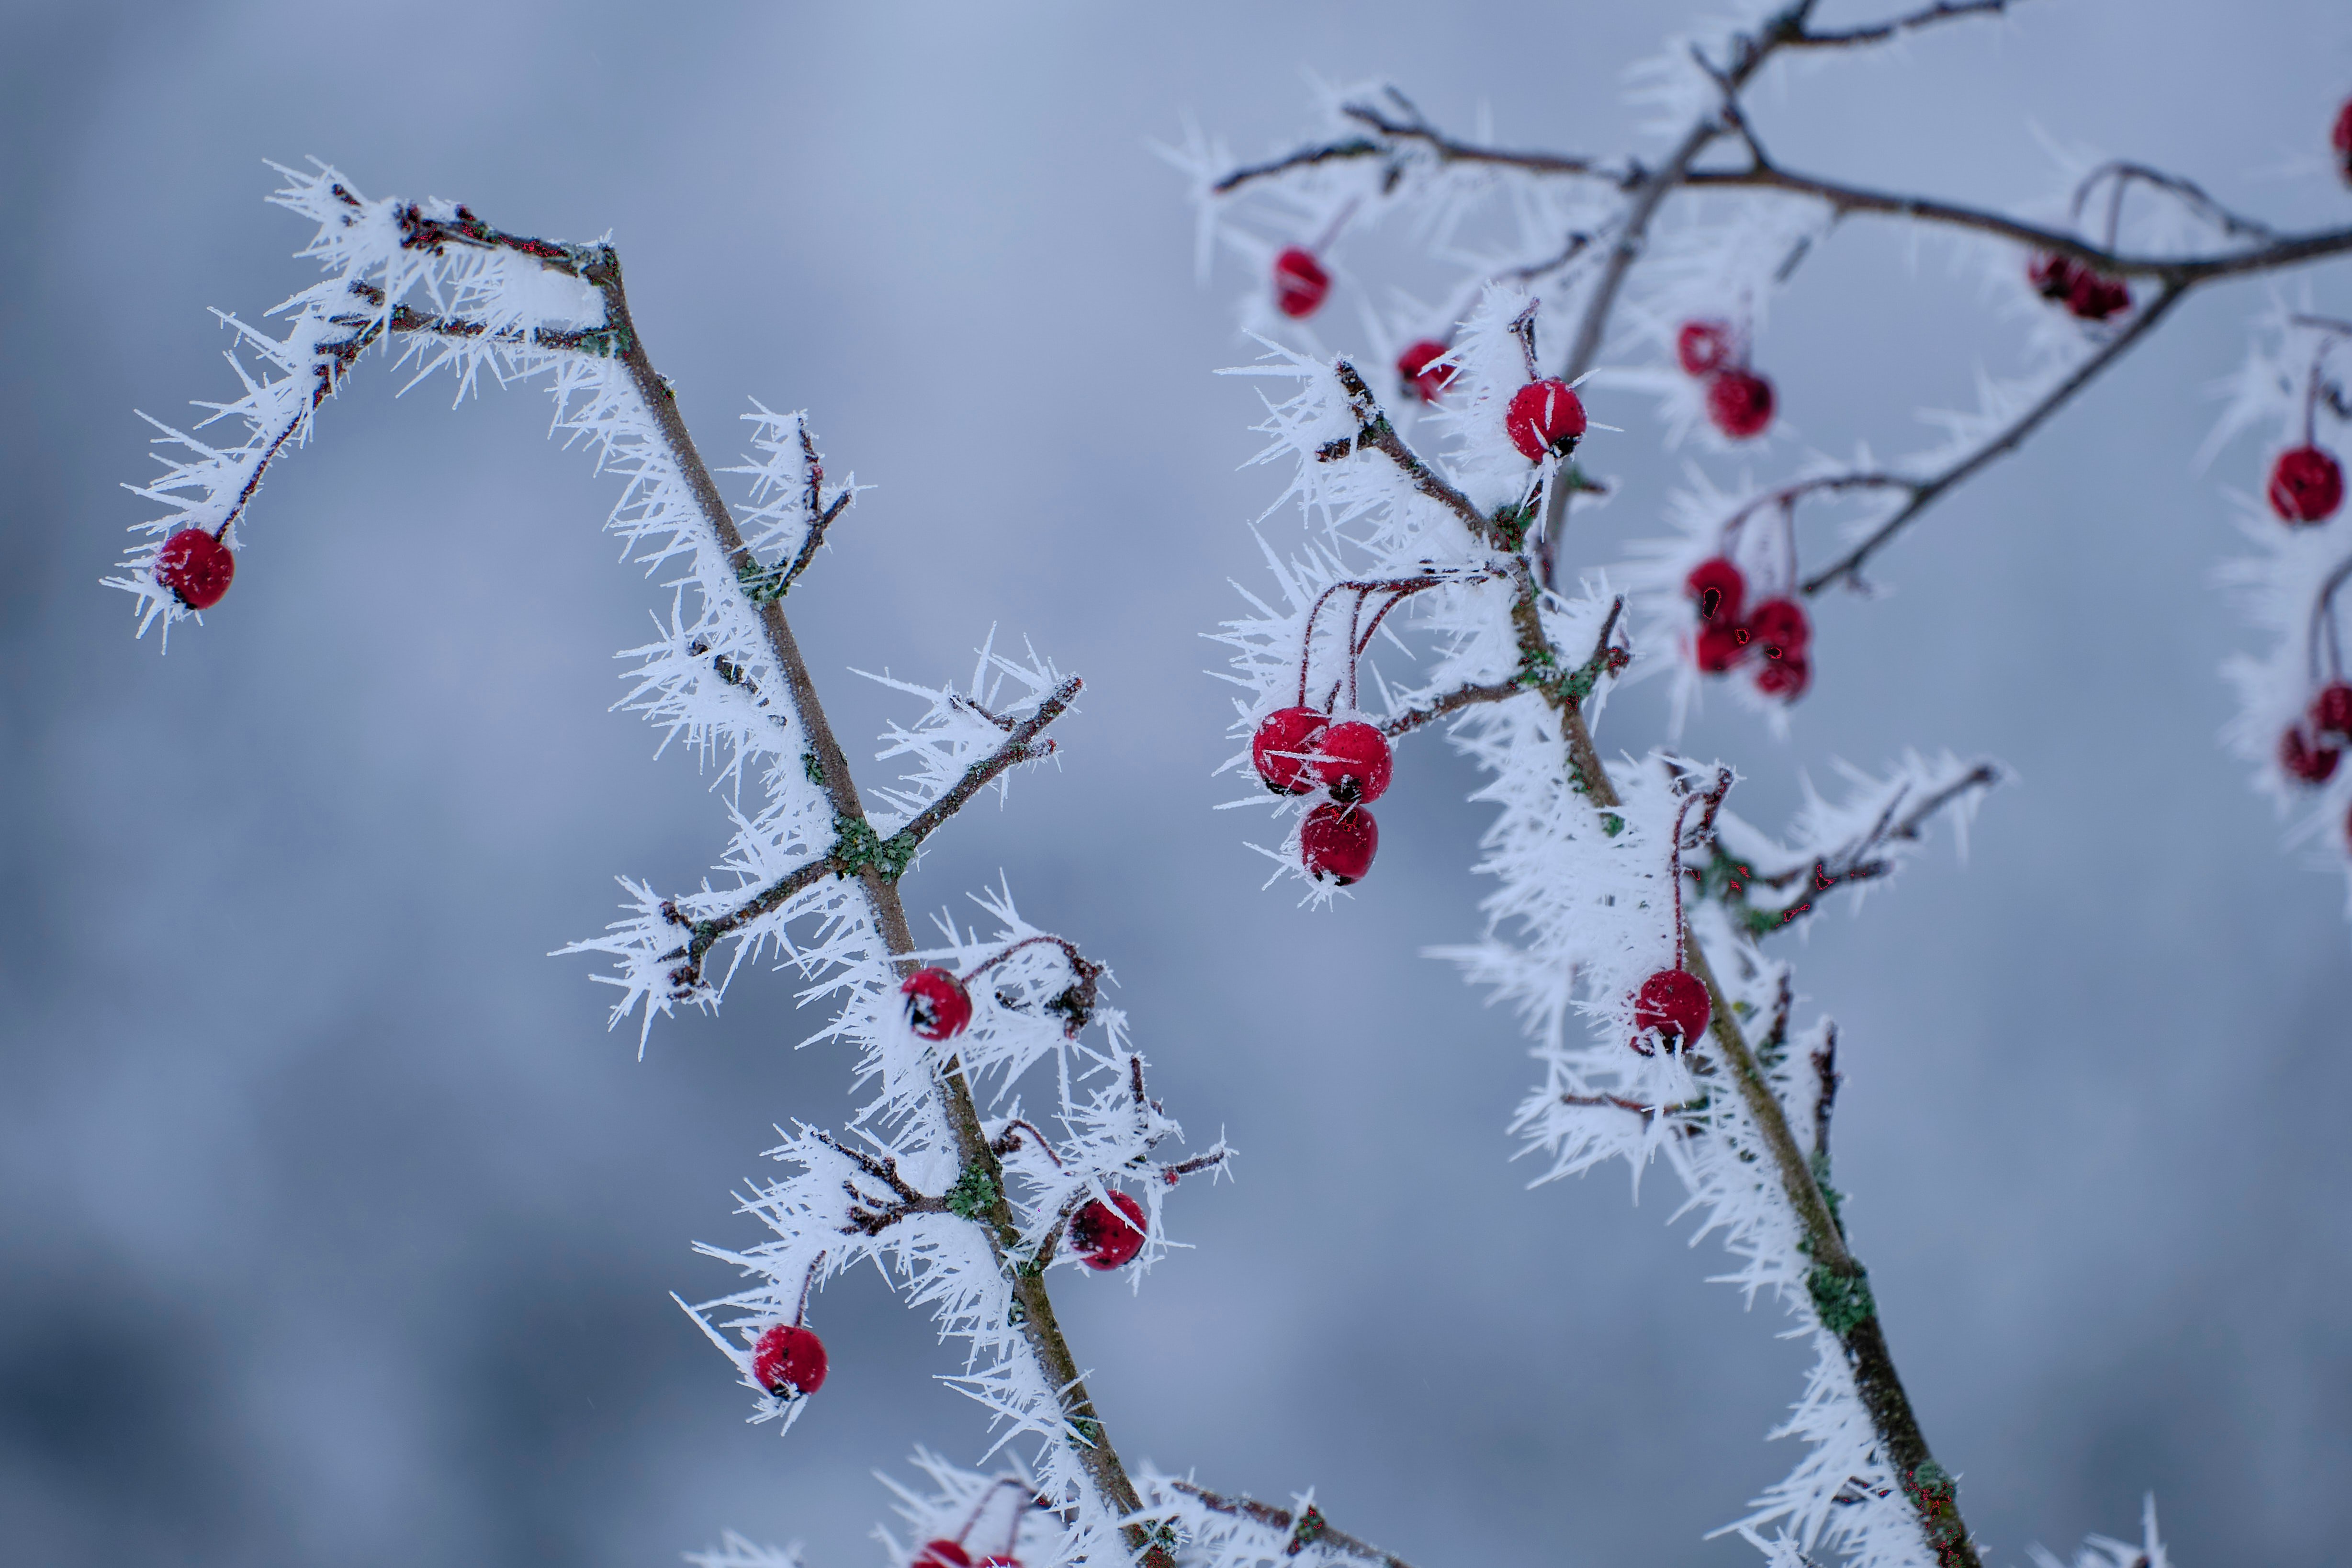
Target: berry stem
(808, 1282)
(2323, 625)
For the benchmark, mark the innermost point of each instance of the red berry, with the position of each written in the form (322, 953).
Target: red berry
(1354, 761)
(2306, 485)
(1785, 678)
(1543, 416)
(2094, 298)
(937, 1007)
(2305, 760)
(1105, 1239)
(2331, 710)
(1337, 842)
(2053, 276)
(1719, 589)
(1673, 1003)
(1423, 375)
(2341, 138)
(1286, 738)
(789, 1361)
(1703, 347)
(1718, 646)
(1300, 283)
(1781, 628)
(941, 1553)
(195, 566)
(1740, 403)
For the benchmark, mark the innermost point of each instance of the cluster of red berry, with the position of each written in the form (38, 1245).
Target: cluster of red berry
(1739, 400)
(2087, 296)
(2310, 750)
(1775, 632)
(1298, 751)
(195, 566)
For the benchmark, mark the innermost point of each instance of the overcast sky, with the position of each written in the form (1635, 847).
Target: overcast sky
(336, 1229)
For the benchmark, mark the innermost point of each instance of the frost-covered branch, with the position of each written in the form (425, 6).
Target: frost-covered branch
(1222, 1531)
(967, 1213)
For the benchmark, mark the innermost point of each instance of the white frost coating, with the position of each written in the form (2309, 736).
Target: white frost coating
(735, 1551)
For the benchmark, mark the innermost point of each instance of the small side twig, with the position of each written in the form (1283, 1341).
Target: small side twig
(1306, 1528)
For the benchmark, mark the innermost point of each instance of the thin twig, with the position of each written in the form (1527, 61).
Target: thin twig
(1942, 11)
(1308, 1528)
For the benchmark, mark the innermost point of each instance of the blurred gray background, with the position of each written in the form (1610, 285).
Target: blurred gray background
(336, 1229)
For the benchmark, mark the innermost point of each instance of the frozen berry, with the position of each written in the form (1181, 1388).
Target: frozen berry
(1673, 1004)
(1718, 646)
(1703, 347)
(2341, 139)
(2331, 710)
(2306, 485)
(789, 1361)
(1784, 678)
(1354, 761)
(941, 1553)
(1105, 1239)
(1781, 628)
(1740, 403)
(195, 566)
(1545, 417)
(2051, 275)
(1286, 738)
(2305, 760)
(2094, 298)
(1420, 369)
(1719, 589)
(1336, 842)
(937, 1007)
(1300, 283)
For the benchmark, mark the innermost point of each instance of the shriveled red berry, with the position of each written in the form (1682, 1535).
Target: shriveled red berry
(789, 1361)
(1419, 368)
(2306, 485)
(1280, 751)
(1300, 284)
(1703, 347)
(937, 1007)
(1784, 678)
(1781, 628)
(1545, 417)
(1336, 843)
(1105, 1239)
(2340, 138)
(1354, 763)
(2094, 298)
(2053, 276)
(1719, 589)
(2331, 710)
(195, 566)
(941, 1553)
(1717, 647)
(1673, 1004)
(1740, 403)
(2305, 760)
